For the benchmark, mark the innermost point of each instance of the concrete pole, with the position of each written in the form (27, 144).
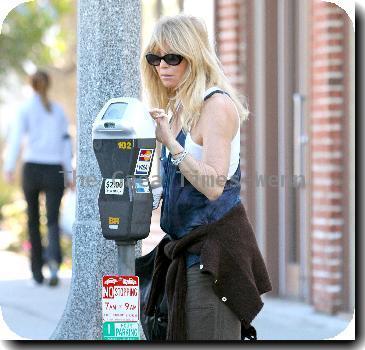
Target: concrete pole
(108, 66)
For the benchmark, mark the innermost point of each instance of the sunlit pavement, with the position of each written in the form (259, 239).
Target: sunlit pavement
(281, 319)
(32, 312)
(29, 311)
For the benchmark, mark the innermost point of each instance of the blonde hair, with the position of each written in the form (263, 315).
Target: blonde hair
(187, 36)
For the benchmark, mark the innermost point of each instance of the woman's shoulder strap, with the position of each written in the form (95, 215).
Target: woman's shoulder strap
(213, 90)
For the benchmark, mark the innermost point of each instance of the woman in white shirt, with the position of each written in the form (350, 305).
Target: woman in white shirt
(47, 158)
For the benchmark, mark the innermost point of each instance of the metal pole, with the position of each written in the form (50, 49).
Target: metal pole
(126, 258)
(301, 141)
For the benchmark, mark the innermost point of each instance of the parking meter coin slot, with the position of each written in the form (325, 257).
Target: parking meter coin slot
(109, 125)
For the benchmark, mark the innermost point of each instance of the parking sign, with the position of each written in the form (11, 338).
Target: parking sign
(120, 299)
(121, 331)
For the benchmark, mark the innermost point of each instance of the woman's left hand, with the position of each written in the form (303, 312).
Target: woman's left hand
(163, 131)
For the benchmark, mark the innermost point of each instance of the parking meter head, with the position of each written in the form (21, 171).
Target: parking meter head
(122, 127)
(124, 143)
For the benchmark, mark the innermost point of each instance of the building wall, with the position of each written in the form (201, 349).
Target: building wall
(245, 30)
(329, 144)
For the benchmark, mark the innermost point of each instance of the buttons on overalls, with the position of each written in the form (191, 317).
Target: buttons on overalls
(224, 299)
(201, 267)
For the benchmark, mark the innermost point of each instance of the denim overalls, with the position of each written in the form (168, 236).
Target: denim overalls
(184, 207)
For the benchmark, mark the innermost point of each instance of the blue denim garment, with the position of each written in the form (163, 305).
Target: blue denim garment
(184, 207)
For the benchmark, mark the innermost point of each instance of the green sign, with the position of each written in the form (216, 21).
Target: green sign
(121, 331)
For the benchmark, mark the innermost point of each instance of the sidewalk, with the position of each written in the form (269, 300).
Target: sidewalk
(32, 312)
(28, 310)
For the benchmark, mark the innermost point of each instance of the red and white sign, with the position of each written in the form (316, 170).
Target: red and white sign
(120, 299)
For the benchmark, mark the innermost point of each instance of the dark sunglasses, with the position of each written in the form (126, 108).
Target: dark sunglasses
(171, 59)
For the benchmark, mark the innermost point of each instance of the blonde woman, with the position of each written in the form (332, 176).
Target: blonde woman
(201, 187)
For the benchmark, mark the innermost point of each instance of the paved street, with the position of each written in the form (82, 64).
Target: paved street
(32, 312)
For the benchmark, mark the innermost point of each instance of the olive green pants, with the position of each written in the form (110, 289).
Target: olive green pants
(208, 317)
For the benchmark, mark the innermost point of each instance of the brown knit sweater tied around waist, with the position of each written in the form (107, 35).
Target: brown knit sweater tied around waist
(228, 250)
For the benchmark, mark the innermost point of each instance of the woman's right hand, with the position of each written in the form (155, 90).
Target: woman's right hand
(163, 131)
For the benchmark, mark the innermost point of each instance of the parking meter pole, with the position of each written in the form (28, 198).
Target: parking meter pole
(124, 142)
(126, 258)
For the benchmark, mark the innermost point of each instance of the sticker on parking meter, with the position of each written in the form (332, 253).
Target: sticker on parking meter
(113, 223)
(114, 186)
(142, 168)
(121, 331)
(120, 299)
(145, 155)
(143, 161)
(142, 186)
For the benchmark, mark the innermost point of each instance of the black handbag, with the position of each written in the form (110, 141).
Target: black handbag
(155, 326)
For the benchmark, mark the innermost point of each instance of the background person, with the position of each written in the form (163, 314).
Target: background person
(182, 75)
(47, 153)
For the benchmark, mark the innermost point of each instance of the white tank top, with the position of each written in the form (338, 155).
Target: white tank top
(196, 150)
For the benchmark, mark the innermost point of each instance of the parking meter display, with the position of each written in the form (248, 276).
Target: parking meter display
(115, 111)
(120, 298)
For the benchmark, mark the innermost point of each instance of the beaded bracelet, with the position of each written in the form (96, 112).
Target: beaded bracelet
(174, 161)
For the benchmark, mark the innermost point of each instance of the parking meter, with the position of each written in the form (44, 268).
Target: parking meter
(124, 143)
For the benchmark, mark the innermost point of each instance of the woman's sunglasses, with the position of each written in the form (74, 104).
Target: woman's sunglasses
(171, 59)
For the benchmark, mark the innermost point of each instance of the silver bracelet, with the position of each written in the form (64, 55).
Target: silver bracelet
(179, 159)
